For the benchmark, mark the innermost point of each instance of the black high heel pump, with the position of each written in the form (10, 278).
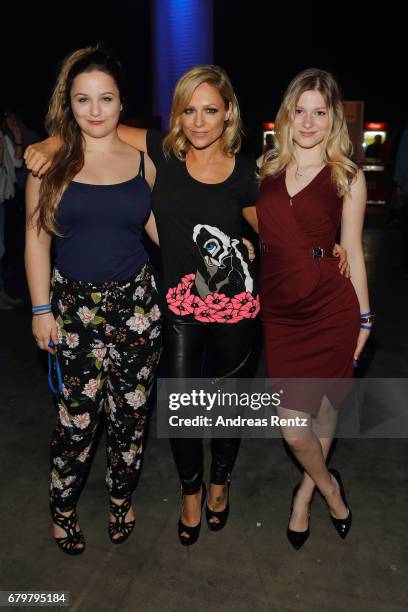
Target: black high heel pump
(297, 538)
(342, 526)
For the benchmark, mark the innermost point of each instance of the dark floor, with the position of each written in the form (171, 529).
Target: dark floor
(248, 567)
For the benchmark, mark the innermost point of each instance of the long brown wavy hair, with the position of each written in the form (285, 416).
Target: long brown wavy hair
(69, 160)
(337, 147)
(217, 77)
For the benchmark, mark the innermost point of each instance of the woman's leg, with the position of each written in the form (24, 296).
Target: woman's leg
(311, 452)
(185, 348)
(231, 347)
(133, 360)
(80, 404)
(73, 438)
(326, 421)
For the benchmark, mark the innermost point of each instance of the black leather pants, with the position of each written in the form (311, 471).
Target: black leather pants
(229, 348)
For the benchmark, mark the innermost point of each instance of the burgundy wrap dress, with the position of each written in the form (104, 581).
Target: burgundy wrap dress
(310, 312)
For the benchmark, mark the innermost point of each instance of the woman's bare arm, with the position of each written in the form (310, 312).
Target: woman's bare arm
(38, 268)
(135, 137)
(39, 155)
(249, 214)
(351, 238)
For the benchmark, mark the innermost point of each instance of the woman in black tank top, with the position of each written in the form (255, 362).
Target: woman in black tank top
(103, 321)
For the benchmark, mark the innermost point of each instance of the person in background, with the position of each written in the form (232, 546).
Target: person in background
(375, 149)
(401, 182)
(11, 157)
(269, 143)
(15, 210)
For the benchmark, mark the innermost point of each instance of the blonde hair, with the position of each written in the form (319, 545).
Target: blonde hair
(69, 159)
(337, 147)
(175, 140)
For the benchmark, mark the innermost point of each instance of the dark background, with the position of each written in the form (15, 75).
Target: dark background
(262, 45)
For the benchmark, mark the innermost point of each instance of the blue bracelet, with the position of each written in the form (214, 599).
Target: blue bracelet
(366, 326)
(365, 314)
(54, 366)
(41, 308)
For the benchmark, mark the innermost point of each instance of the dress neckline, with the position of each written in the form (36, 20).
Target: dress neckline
(291, 197)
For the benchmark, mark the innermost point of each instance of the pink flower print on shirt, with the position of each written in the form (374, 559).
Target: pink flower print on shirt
(217, 301)
(247, 305)
(216, 307)
(250, 310)
(205, 315)
(193, 303)
(229, 315)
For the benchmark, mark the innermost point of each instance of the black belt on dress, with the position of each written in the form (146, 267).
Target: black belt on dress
(315, 252)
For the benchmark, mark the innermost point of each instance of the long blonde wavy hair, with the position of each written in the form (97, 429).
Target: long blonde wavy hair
(337, 148)
(69, 159)
(216, 76)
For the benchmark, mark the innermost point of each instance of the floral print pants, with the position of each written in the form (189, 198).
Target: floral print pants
(109, 347)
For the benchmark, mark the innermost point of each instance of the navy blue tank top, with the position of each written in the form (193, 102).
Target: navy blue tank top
(101, 227)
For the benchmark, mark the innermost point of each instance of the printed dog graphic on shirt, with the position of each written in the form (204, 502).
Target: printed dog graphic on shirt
(227, 271)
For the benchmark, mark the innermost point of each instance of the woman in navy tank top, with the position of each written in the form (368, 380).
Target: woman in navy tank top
(103, 316)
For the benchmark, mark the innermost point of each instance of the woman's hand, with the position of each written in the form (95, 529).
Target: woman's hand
(45, 329)
(339, 251)
(39, 156)
(250, 248)
(361, 341)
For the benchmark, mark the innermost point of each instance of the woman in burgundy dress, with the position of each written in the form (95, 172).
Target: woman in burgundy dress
(315, 320)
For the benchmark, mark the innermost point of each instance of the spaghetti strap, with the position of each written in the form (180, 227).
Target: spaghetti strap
(142, 165)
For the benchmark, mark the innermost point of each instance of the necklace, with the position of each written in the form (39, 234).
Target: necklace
(306, 174)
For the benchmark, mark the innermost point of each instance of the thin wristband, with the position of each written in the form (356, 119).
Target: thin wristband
(366, 327)
(40, 307)
(366, 314)
(37, 314)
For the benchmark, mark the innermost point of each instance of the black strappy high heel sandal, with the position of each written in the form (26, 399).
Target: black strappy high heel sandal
(69, 542)
(221, 515)
(193, 533)
(121, 526)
